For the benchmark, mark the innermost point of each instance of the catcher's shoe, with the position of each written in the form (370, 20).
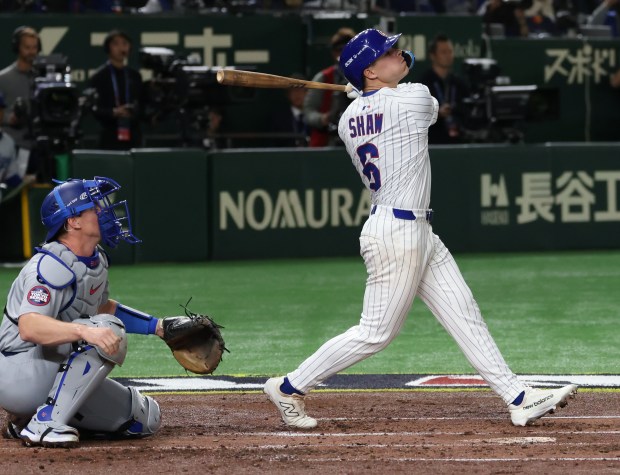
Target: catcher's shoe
(49, 434)
(10, 431)
(292, 407)
(14, 425)
(538, 402)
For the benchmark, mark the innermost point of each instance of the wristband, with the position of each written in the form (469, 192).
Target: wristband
(136, 321)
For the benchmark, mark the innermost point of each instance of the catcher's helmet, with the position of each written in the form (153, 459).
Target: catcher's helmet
(363, 50)
(73, 196)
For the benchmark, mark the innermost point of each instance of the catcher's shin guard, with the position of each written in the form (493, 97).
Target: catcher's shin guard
(145, 413)
(77, 379)
(82, 373)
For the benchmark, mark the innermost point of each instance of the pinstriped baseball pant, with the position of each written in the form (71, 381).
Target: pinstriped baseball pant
(403, 259)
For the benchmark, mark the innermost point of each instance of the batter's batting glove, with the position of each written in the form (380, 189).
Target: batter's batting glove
(352, 92)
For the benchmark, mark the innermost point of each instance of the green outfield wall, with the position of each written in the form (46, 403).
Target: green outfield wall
(486, 198)
(190, 205)
(283, 203)
(529, 197)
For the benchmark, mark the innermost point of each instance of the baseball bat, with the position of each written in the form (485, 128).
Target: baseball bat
(235, 77)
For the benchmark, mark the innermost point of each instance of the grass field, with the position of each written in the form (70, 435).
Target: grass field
(549, 313)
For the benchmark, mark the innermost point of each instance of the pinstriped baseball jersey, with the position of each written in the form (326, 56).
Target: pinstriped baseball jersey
(385, 133)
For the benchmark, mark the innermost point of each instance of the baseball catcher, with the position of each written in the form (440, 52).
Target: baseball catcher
(62, 334)
(195, 341)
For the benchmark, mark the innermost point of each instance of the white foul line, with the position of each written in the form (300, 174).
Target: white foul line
(492, 460)
(451, 418)
(487, 442)
(397, 434)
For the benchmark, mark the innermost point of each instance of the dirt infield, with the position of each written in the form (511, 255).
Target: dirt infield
(387, 432)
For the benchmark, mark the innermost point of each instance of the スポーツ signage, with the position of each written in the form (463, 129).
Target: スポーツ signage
(580, 69)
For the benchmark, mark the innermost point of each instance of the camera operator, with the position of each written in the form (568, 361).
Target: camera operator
(448, 89)
(9, 170)
(119, 96)
(16, 86)
(614, 79)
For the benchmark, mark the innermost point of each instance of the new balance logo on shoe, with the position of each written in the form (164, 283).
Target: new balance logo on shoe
(539, 402)
(289, 409)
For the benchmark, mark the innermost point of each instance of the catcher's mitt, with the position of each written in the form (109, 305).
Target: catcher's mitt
(195, 341)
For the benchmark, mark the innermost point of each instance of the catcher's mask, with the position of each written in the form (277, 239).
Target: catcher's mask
(75, 195)
(363, 50)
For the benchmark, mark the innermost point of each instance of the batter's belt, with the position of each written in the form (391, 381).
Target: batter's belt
(408, 214)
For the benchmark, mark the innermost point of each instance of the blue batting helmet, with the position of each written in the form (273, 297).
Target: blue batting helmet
(363, 50)
(72, 197)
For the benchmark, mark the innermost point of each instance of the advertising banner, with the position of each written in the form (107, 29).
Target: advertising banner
(285, 203)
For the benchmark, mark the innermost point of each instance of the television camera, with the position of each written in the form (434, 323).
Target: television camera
(495, 108)
(183, 88)
(53, 112)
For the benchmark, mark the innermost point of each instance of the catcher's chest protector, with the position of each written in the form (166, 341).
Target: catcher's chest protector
(89, 287)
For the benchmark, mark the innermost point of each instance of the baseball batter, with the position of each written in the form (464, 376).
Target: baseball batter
(61, 334)
(385, 131)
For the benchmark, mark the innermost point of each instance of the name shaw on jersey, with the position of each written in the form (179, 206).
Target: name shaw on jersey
(367, 124)
(261, 209)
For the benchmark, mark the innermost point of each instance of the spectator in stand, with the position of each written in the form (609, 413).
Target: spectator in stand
(9, 170)
(426, 6)
(607, 13)
(448, 89)
(16, 84)
(322, 109)
(540, 16)
(507, 13)
(614, 79)
(290, 118)
(120, 98)
(212, 139)
(157, 6)
(383, 6)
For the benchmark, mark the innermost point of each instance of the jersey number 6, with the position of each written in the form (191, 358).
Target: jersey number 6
(370, 170)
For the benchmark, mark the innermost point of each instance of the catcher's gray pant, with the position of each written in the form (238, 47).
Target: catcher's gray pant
(404, 258)
(28, 378)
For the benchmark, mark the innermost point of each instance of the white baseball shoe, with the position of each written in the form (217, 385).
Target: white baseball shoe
(538, 402)
(292, 407)
(49, 434)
